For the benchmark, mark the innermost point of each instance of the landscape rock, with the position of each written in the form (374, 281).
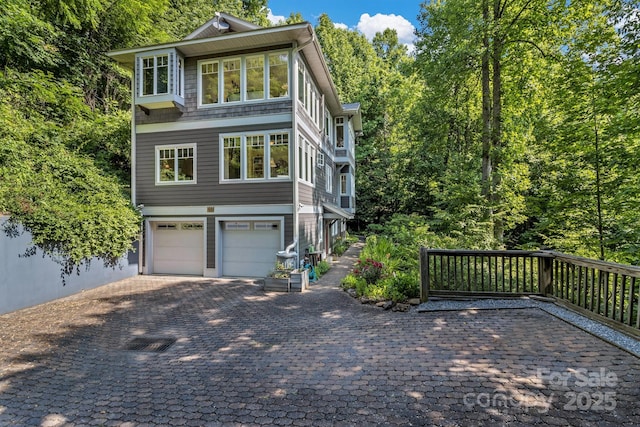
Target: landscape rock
(388, 305)
(401, 307)
(414, 301)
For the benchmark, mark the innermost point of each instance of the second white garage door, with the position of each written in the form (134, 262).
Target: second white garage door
(249, 247)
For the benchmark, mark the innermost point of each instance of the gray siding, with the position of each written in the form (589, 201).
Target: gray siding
(208, 190)
(308, 232)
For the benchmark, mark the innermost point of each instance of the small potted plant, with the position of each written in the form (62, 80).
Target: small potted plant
(278, 279)
(283, 279)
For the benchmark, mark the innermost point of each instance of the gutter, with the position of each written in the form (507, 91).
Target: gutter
(294, 123)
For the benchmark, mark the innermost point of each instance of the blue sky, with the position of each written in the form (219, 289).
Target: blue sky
(366, 16)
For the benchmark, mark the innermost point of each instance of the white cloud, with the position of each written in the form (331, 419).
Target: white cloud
(275, 19)
(370, 25)
(341, 26)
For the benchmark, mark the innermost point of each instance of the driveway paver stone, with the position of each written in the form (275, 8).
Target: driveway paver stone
(318, 358)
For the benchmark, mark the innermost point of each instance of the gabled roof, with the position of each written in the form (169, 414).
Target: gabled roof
(214, 38)
(222, 23)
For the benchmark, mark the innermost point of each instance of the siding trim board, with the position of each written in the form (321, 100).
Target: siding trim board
(214, 123)
(275, 209)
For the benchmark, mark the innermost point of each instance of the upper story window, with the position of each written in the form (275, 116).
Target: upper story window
(159, 79)
(327, 123)
(155, 75)
(255, 78)
(328, 178)
(306, 156)
(231, 80)
(176, 164)
(344, 184)
(245, 156)
(245, 78)
(340, 132)
(278, 75)
(309, 96)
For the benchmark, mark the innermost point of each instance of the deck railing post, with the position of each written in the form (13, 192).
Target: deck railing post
(545, 270)
(424, 274)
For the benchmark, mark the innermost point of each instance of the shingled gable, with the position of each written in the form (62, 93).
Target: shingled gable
(222, 23)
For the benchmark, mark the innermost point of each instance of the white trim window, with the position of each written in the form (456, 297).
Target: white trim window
(254, 153)
(344, 184)
(339, 132)
(176, 164)
(309, 96)
(155, 75)
(278, 75)
(306, 159)
(243, 79)
(329, 178)
(320, 162)
(232, 157)
(244, 157)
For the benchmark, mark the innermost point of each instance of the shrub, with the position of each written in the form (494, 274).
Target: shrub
(342, 244)
(369, 270)
(322, 268)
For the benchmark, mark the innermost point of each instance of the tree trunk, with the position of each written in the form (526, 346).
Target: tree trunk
(496, 123)
(486, 110)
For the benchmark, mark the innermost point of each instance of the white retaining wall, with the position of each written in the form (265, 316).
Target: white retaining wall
(27, 281)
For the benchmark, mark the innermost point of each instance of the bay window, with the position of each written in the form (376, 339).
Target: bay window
(155, 75)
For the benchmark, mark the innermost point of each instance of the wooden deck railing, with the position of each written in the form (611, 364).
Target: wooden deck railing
(607, 290)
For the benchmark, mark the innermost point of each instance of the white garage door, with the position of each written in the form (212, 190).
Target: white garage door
(249, 248)
(178, 248)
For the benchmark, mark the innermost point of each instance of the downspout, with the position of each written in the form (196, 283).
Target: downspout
(294, 122)
(141, 242)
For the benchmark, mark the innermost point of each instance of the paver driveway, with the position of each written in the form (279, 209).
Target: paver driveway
(245, 357)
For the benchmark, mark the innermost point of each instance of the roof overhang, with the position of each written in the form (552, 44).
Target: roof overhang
(334, 212)
(300, 35)
(229, 42)
(353, 111)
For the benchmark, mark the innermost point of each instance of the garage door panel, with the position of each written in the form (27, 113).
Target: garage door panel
(178, 249)
(249, 253)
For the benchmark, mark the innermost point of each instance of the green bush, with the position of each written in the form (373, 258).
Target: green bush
(322, 268)
(342, 244)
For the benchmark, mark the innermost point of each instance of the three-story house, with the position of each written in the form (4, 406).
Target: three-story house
(240, 149)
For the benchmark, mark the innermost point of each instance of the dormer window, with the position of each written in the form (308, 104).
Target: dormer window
(159, 79)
